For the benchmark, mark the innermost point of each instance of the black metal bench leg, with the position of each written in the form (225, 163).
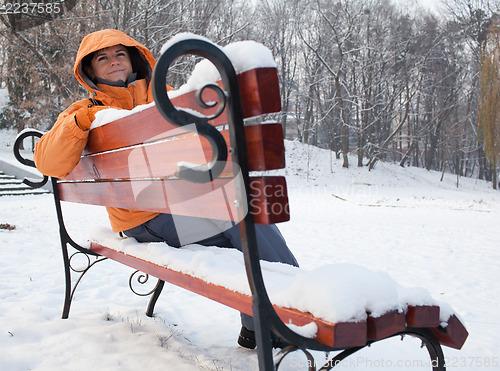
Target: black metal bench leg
(263, 340)
(70, 288)
(154, 298)
(66, 241)
(433, 347)
(67, 275)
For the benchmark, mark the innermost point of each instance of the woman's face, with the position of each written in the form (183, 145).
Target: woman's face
(112, 63)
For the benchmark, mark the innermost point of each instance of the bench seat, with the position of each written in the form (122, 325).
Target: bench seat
(219, 274)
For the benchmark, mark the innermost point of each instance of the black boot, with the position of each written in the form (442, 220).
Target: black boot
(246, 339)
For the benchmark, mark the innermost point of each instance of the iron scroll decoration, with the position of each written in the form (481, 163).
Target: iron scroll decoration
(17, 154)
(141, 278)
(198, 173)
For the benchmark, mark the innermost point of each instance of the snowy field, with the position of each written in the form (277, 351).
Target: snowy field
(405, 222)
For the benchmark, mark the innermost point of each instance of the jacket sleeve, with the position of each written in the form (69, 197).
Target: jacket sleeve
(58, 151)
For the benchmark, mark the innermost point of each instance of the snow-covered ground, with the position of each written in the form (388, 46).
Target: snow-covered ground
(405, 222)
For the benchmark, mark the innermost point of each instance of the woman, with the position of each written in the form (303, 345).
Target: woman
(117, 70)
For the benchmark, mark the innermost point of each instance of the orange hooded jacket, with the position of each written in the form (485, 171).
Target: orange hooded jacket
(59, 150)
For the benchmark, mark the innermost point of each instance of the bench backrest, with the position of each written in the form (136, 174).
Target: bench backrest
(132, 162)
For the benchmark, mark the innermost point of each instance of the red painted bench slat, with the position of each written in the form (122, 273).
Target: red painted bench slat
(453, 335)
(423, 316)
(385, 325)
(259, 89)
(159, 159)
(216, 200)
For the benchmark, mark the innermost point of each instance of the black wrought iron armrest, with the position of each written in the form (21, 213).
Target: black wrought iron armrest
(17, 153)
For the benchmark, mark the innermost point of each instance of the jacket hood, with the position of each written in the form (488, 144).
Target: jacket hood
(103, 39)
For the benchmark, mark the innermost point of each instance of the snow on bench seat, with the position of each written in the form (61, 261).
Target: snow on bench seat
(340, 305)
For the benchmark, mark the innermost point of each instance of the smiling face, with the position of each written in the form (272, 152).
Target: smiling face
(112, 63)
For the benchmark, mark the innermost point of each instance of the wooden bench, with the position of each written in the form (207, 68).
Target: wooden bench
(146, 169)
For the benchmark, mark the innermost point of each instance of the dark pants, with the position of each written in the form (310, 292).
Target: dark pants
(164, 228)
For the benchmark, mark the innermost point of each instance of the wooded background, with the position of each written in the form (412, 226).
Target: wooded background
(384, 80)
